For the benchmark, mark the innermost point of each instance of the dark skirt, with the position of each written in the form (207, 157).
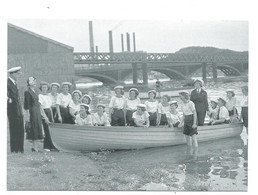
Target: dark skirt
(244, 114)
(129, 117)
(48, 144)
(176, 124)
(163, 120)
(117, 117)
(231, 112)
(36, 132)
(153, 118)
(66, 117)
(188, 123)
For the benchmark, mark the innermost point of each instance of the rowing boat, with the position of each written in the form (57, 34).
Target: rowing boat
(74, 138)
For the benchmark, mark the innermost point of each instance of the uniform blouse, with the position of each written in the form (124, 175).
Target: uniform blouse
(45, 101)
(213, 113)
(53, 98)
(100, 120)
(223, 113)
(173, 117)
(231, 103)
(63, 100)
(163, 109)
(151, 106)
(117, 102)
(188, 108)
(141, 119)
(75, 108)
(244, 102)
(132, 104)
(83, 121)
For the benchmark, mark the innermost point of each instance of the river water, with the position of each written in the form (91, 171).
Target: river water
(219, 165)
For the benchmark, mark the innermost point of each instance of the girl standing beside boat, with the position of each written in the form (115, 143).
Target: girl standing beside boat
(174, 118)
(141, 116)
(131, 105)
(84, 117)
(116, 107)
(74, 105)
(163, 108)
(46, 103)
(53, 96)
(152, 107)
(244, 107)
(32, 113)
(100, 118)
(62, 102)
(190, 119)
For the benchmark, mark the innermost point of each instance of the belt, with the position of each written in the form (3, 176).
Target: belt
(117, 109)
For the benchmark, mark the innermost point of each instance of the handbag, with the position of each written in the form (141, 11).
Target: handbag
(28, 130)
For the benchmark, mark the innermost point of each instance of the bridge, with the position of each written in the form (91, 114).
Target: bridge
(114, 67)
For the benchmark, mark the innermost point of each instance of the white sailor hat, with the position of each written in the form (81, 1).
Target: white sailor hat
(119, 87)
(101, 105)
(173, 102)
(57, 84)
(77, 91)
(14, 69)
(200, 81)
(152, 91)
(231, 91)
(87, 97)
(141, 105)
(214, 101)
(183, 92)
(133, 89)
(85, 105)
(66, 83)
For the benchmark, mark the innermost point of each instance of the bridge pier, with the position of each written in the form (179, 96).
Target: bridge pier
(204, 72)
(135, 73)
(215, 71)
(145, 74)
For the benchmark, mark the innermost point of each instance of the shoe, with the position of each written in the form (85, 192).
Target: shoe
(47, 150)
(33, 150)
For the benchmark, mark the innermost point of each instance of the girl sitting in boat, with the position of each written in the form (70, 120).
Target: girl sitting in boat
(84, 117)
(74, 105)
(163, 108)
(116, 107)
(141, 116)
(189, 118)
(152, 107)
(86, 99)
(213, 111)
(100, 118)
(131, 105)
(62, 102)
(231, 103)
(53, 96)
(174, 118)
(223, 115)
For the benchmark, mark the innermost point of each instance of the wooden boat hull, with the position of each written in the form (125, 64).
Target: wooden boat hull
(82, 138)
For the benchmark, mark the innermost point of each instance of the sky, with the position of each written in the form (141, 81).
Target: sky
(151, 35)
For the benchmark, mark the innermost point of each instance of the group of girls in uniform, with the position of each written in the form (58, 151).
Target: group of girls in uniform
(75, 108)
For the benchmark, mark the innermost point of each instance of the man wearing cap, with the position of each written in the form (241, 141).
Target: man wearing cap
(223, 115)
(200, 100)
(14, 111)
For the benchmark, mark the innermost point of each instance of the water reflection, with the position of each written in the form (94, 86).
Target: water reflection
(219, 165)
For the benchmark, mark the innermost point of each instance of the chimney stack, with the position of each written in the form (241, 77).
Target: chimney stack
(128, 41)
(111, 50)
(91, 37)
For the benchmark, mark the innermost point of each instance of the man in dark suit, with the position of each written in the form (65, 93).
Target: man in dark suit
(199, 98)
(14, 111)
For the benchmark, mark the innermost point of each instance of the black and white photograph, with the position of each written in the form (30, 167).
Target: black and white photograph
(127, 104)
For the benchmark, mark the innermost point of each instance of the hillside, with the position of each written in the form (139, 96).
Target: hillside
(206, 50)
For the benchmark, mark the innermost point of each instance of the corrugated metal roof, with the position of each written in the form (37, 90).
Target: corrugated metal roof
(39, 36)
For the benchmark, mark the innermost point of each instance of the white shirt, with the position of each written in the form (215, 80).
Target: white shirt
(75, 108)
(188, 108)
(83, 121)
(45, 101)
(53, 98)
(63, 100)
(151, 106)
(132, 104)
(231, 103)
(163, 109)
(141, 119)
(244, 101)
(174, 118)
(117, 102)
(214, 113)
(223, 113)
(100, 120)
